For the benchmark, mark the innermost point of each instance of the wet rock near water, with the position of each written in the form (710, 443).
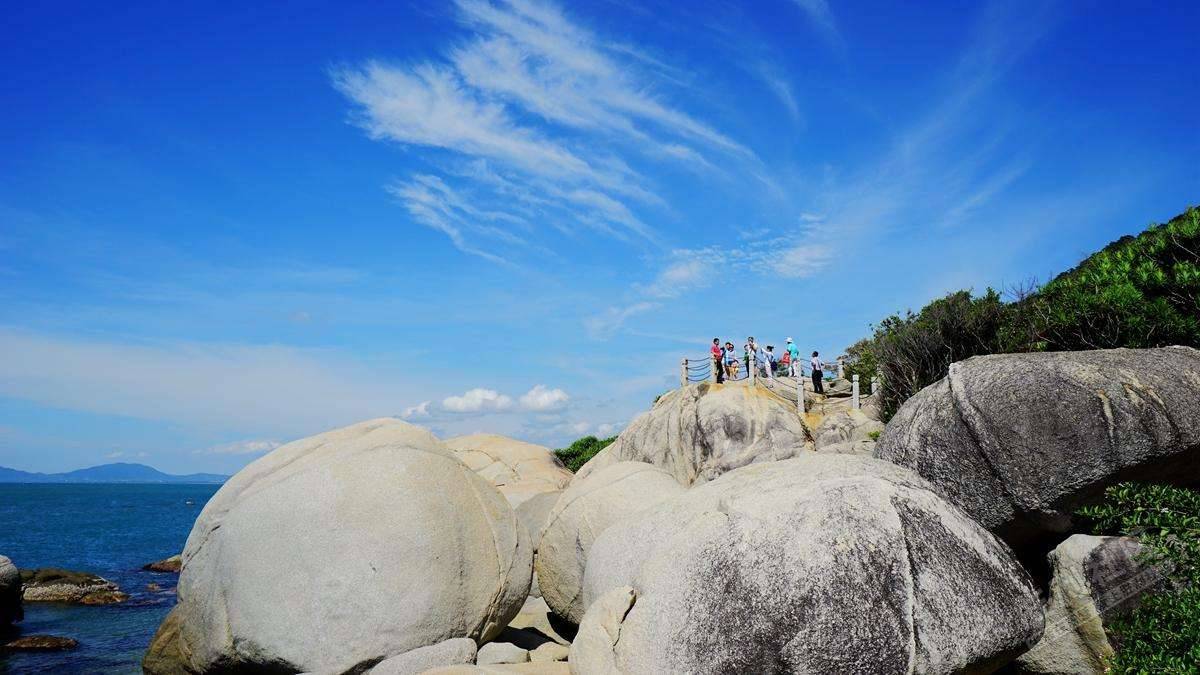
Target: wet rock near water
(39, 643)
(10, 593)
(51, 584)
(172, 565)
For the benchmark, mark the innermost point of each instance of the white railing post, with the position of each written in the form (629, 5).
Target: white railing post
(841, 369)
(800, 394)
(854, 391)
(683, 374)
(874, 385)
(753, 368)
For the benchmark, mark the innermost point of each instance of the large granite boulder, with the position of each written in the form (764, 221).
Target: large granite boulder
(10, 593)
(701, 431)
(819, 564)
(337, 551)
(581, 514)
(518, 469)
(1021, 440)
(1095, 580)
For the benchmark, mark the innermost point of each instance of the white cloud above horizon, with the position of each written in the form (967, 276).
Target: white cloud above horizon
(416, 411)
(243, 447)
(542, 398)
(477, 400)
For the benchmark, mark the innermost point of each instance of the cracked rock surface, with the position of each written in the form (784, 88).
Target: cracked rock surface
(819, 564)
(1020, 441)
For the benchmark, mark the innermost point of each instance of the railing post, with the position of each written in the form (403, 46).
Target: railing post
(874, 385)
(716, 363)
(841, 369)
(753, 368)
(800, 394)
(683, 374)
(854, 391)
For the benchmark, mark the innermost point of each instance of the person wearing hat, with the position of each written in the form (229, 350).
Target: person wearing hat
(794, 369)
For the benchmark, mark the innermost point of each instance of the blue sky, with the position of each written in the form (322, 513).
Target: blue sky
(225, 227)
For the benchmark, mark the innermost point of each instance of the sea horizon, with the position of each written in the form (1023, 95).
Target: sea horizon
(108, 529)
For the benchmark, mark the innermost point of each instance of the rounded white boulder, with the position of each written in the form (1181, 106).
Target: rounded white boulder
(337, 551)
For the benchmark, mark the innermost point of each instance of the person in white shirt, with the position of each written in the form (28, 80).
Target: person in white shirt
(763, 361)
(818, 375)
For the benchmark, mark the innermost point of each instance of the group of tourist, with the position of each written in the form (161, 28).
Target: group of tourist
(727, 363)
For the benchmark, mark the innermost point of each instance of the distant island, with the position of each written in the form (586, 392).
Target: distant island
(119, 472)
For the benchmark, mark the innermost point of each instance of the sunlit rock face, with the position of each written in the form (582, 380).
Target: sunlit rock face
(337, 551)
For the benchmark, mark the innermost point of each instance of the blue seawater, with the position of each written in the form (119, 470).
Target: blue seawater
(110, 530)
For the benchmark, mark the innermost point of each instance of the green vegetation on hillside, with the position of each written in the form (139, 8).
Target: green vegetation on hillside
(1141, 291)
(1163, 634)
(578, 453)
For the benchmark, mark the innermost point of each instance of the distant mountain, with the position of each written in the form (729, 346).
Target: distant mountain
(120, 472)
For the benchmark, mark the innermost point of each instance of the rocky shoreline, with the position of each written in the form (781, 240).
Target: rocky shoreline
(721, 532)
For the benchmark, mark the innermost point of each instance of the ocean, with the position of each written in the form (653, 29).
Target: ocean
(110, 530)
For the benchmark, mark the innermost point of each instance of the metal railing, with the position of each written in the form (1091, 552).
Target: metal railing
(706, 369)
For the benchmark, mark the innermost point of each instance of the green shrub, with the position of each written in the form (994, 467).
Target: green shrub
(1141, 291)
(1163, 634)
(913, 351)
(578, 453)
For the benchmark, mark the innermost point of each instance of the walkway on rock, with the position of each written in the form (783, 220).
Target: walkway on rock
(840, 393)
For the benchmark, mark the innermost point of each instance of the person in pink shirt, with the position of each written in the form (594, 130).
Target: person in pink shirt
(716, 360)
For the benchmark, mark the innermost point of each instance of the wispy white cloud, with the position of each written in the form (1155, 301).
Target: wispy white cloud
(798, 262)
(819, 12)
(121, 454)
(254, 389)
(682, 275)
(781, 88)
(416, 411)
(609, 322)
(245, 447)
(525, 61)
(431, 106)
